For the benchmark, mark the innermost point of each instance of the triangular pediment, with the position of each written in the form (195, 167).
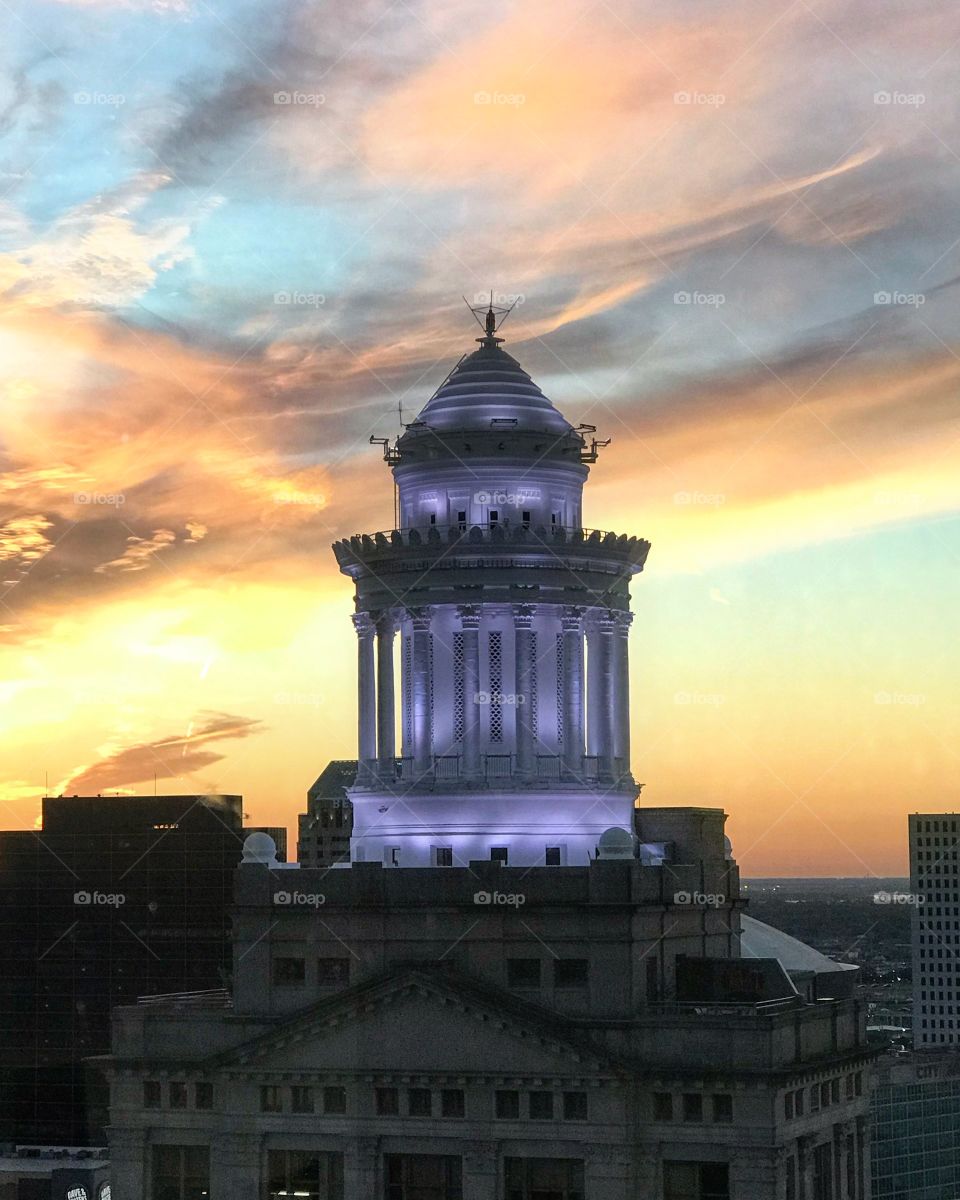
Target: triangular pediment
(413, 1022)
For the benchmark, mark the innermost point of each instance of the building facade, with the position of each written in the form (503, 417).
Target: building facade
(519, 986)
(324, 830)
(935, 914)
(915, 1119)
(111, 899)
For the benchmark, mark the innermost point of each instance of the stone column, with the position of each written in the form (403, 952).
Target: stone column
(386, 703)
(592, 635)
(420, 693)
(470, 625)
(366, 697)
(621, 684)
(235, 1166)
(480, 1170)
(523, 688)
(129, 1159)
(361, 1168)
(571, 623)
(602, 698)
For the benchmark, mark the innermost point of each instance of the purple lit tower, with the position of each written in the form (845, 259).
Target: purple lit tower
(513, 622)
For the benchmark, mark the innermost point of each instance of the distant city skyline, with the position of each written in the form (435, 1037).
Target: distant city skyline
(234, 248)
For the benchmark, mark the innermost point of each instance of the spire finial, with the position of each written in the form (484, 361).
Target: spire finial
(491, 320)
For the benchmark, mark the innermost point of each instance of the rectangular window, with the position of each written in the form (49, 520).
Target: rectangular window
(289, 971)
(314, 1173)
(419, 1102)
(553, 856)
(301, 1099)
(692, 1106)
(544, 1178)
(574, 1106)
(334, 1101)
(662, 1106)
(333, 972)
(541, 1106)
(180, 1172)
(788, 1106)
(525, 519)
(178, 1094)
(271, 1098)
(570, 972)
(443, 856)
(388, 1102)
(452, 1102)
(798, 1105)
(523, 972)
(203, 1095)
(696, 1181)
(508, 1105)
(423, 1176)
(391, 856)
(462, 519)
(722, 1108)
(500, 854)
(151, 1093)
(494, 516)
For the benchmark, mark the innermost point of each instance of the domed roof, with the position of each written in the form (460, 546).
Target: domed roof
(490, 385)
(759, 940)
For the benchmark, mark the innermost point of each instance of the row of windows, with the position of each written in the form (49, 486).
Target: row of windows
(691, 1107)
(178, 1094)
(291, 971)
(442, 856)
(540, 1104)
(821, 1095)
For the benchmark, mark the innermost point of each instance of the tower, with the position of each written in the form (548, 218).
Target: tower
(512, 621)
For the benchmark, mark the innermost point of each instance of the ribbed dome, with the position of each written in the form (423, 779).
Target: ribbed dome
(490, 385)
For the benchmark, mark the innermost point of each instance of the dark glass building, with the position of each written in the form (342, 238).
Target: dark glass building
(114, 898)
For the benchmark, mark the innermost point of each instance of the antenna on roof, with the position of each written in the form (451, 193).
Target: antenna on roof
(490, 320)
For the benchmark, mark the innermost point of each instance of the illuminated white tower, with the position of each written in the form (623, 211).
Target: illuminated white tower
(512, 618)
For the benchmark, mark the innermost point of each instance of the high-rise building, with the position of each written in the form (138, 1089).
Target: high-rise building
(935, 903)
(326, 826)
(113, 898)
(915, 1126)
(519, 986)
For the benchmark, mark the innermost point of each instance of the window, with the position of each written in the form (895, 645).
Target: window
(696, 1181)
(301, 1099)
(815, 1098)
(494, 516)
(722, 1108)
(203, 1095)
(333, 972)
(433, 518)
(508, 1106)
(424, 1177)
(692, 1106)
(534, 1178)
(662, 1106)
(553, 856)
(313, 1173)
(541, 1106)
(570, 972)
(574, 1106)
(798, 1106)
(289, 972)
(499, 854)
(178, 1094)
(462, 519)
(391, 856)
(443, 856)
(788, 1106)
(271, 1098)
(151, 1093)
(180, 1172)
(523, 972)
(525, 519)
(419, 1102)
(334, 1100)
(452, 1102)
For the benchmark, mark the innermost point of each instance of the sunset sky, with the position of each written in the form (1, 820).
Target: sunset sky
(234, 237)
